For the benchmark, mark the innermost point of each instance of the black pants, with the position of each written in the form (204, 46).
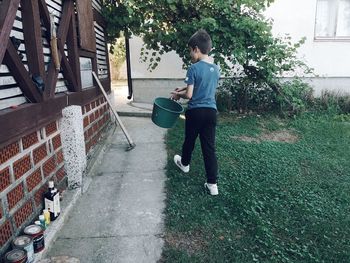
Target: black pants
(202, 122)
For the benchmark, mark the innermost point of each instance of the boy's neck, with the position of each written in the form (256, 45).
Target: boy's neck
(205, 58)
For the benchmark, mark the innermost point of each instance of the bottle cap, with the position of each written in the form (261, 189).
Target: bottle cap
(41, 217)
(51, 185)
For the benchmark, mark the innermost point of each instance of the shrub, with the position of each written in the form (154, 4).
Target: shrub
(243, 95)
(332, 101)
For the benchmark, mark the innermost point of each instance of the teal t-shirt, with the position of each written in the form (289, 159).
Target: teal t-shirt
(204, 77)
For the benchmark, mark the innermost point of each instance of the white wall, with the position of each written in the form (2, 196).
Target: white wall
(297, 17)
(170, 66)
(330, 59)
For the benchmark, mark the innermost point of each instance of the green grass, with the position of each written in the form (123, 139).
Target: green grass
(278, 202)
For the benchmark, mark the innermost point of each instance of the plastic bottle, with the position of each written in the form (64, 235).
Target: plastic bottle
(47, 217)
(42, 221)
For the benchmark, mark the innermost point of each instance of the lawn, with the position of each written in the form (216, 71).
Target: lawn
(284, 193)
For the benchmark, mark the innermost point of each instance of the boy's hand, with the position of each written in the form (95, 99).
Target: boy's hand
(174, 95)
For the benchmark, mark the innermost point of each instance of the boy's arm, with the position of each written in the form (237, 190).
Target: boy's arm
(180, 89)
(185, 93)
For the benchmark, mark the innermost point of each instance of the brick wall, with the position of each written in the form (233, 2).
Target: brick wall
(96, 117)
(25, 168)
(28, 164)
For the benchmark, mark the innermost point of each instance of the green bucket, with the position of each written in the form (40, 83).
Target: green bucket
(165, 112)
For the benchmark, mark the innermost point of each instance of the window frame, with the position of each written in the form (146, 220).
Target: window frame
(334, 38)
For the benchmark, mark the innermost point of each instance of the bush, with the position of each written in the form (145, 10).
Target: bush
(296, 96)
(333, 102)
(243, 95)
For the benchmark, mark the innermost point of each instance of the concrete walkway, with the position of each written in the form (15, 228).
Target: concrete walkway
(120, 216)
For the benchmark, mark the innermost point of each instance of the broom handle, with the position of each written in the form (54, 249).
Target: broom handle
(53, 44)
(114, 112)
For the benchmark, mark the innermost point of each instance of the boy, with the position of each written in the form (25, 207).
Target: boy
(202, 80)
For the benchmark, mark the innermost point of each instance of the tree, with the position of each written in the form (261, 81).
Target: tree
(242, 39)
(118, 57)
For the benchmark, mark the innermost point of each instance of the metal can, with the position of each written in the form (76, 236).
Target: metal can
(26, 243)
(37, 233)
(16, 256)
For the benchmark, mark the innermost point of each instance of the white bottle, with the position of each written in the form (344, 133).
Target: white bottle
(56, 203)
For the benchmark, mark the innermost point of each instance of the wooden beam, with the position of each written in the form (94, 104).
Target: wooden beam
(106, 83)
(20, 74)
(67, 70)
(87, 38)
(32, 37)
(8, 9)
(52, 73)
(30, 117)
(94, 68)
(73, 54)
(45, 15)
(87, 54)
(27, 118)
(108, 88)
(84, 97)
(99, 18)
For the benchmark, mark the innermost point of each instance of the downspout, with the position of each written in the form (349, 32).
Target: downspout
(128, 67)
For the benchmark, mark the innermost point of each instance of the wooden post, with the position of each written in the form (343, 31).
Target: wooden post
(20, 74)
(73, 53)
(32, 37)
(8, 9)
(52, 73)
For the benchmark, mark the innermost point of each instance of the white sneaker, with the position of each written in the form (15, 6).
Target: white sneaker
(177, 161)
(212, 189)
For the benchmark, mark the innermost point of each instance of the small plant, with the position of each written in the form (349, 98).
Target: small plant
(295, 96)
(333, 102)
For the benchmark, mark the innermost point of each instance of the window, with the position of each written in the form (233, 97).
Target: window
(332, 19)
(86, 72)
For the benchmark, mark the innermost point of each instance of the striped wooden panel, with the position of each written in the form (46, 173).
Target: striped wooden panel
(10, 93)
(97, 5)
(102, 66)
(54, 7)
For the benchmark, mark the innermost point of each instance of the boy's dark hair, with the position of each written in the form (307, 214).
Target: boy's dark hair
(202, 40)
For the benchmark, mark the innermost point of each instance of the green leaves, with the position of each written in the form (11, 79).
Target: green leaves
(243, 44)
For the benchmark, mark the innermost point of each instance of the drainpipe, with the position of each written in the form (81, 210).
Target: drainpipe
(128, 68)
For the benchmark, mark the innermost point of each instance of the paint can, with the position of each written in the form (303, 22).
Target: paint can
(37, 233)
(16, 256)
(26, 243)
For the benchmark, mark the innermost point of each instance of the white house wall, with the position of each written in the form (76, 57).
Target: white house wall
(159, 83)
(329, 58)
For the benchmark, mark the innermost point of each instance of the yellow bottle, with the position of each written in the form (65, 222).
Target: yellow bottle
(47, 217)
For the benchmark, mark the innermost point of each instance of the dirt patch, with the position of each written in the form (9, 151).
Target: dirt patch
(191, 243)
(274, 136)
